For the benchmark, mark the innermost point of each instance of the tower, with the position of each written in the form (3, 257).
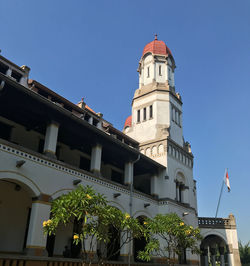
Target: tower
(156, 123)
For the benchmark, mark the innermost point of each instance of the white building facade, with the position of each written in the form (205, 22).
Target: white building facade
(48, 145)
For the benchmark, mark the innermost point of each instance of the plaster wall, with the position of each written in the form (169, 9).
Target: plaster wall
(21, 136)
(148, 62)
(55, 182)
(163, 77)
(69, 156)
(173, 168)
(153, 128)
(14, 209)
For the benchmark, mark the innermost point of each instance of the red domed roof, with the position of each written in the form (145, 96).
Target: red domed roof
(128, 122)
(157, 47)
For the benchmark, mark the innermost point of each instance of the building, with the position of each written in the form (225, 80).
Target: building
(48, 145)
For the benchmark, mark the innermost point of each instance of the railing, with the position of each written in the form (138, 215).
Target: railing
(56, 262)
(208, 222)
(37, 262)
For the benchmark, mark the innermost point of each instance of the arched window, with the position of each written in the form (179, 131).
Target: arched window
(161, 149)
(151, 111)
(154, 150)
(160, 73)
(180, 187)
(138, 116)
(148, 152)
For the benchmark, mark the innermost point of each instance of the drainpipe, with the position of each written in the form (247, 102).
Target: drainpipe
(2, 85)
(131, 203)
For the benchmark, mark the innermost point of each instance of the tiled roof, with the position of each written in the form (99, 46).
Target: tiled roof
(157, 47)
(128, 122)
(91, 110)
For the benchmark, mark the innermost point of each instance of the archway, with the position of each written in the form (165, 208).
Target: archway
(181, 187)
(214, 251)
(15, 204)
(139, 243)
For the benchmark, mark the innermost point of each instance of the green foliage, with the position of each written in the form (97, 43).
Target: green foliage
(96, 217)
(244, 253)
(167, 235)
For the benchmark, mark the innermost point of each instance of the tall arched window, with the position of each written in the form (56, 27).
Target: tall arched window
(160, 73)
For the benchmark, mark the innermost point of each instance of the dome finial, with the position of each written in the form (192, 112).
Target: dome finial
(156, 37)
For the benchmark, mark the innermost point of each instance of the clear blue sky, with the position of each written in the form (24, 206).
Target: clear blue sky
(91, 49)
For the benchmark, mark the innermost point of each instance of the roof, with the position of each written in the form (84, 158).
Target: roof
(59, 97)
(157, 47)
(128, 122)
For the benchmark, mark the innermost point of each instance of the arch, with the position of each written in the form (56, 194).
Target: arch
(179, 173)
(142, 213)
(16, 203)
(212, 245)
(60, 192)
(117, 205)
(160, 149)
(139, 243)
(148, 152)
(154, 150)
(22, 180)
(215, 233)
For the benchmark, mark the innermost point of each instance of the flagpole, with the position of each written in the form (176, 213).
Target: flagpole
(219, 198)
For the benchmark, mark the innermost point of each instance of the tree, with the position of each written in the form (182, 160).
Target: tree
(244, 251)
(95, 217)
(167, 235)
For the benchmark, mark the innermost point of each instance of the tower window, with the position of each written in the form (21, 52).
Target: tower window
(144, 114)
(173, 114)
(138, 116)
(160, 74)
(179, 188)
(169, 74)
(151, 111)
(148, 72)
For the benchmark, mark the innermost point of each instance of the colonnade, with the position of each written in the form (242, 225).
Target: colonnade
(211, 253)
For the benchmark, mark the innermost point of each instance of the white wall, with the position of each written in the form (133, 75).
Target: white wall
(14, 209)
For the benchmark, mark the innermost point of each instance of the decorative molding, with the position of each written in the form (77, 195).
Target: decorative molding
(49, 162)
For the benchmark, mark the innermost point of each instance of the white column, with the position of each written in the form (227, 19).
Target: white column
(206, 260)
(96, 158)
(99, 125)
(36, 241)
(230, 259)
(24, 78)
(128, 173)
(205, 257)
(153, 186)
(24, 81)
(213, 253)
(91, 120)
(222, 261)
(222, 251)
(90, 244)
(9, 72)
(124, 252)
(51, 139)
(213, 260)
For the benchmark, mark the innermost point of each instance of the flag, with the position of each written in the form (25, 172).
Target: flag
(226, 179)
